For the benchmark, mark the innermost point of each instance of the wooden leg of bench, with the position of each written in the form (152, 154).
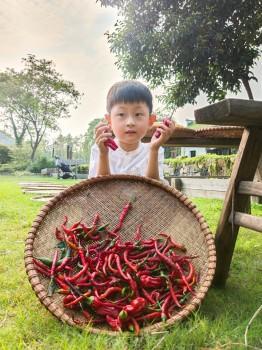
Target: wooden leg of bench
(244, 168)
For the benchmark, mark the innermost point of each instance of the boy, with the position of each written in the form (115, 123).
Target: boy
(129, 107)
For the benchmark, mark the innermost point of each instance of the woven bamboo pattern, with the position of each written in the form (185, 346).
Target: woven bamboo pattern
(159, 207)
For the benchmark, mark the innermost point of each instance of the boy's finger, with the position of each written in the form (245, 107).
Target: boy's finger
(101, 130)
(100, 124)
(104, 135)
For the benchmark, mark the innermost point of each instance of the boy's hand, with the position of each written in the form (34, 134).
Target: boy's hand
(102, 133)
(165, 133)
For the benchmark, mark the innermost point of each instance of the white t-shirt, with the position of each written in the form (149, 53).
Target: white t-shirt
(122, 162)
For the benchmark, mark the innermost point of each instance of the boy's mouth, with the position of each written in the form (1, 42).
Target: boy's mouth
(130, 132)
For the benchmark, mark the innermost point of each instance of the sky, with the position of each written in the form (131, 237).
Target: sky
(71, 34)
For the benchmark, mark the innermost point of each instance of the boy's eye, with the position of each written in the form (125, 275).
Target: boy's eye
(139, 114)
(121, 114)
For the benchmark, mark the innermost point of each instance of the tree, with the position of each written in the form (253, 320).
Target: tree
(188, 46)
(12, 103)
(42, 97)
(89, 137)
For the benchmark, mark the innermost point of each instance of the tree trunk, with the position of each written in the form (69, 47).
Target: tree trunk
(247, 87)
(18, 138)
(34, 148)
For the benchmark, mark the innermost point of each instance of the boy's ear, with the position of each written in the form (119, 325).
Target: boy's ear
(108, 118)
(152, 119)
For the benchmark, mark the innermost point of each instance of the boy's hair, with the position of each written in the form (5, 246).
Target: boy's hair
(128, 91)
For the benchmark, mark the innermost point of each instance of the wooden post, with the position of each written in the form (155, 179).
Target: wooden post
(244, 169)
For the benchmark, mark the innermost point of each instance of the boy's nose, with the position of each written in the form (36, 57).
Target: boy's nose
(130, 120)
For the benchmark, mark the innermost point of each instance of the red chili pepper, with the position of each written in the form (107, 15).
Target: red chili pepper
(85, 228)
(148, 296)
(74, 302)
(133, 308)
(166, 122)
(66, 259)
(40, 264)
(96, 219)
(59, 234)
(173, 294)
(109, 262)
(95, 302)
(183, 277)
(78, 274)
(74, 226)
(151, 282)
(110, 291)
(164, 257)
(111, 144)
(123, 214)
(114, 323)
(128, 263)
(67, 231)
(151, 316)
(138, 234)
(65, 220)
(174, 244)
(119, 267)
(132, 284)
(136, 325)
(164, 308)
(51, 286)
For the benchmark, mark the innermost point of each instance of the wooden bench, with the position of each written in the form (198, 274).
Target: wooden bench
(246, 113)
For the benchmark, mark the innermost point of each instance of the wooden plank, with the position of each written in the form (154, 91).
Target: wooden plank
(235, 112)
(200, 142)
(44, 191)
(250, 188)
(244, 169)
(44, 188)
(249, 221)
(205, 184)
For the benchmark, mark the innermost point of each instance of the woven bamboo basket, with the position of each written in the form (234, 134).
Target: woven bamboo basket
(159, 207)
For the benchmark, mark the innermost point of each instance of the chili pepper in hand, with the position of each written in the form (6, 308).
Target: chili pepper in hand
(111, 144)
(166, 122)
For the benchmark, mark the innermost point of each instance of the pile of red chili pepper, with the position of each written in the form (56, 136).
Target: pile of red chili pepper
(126, 285)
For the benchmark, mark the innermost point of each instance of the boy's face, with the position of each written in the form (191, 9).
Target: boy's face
(130, 121)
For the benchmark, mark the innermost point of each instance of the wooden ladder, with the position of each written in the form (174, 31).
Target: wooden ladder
(246, 113)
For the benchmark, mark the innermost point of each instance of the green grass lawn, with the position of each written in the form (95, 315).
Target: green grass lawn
(220, 322)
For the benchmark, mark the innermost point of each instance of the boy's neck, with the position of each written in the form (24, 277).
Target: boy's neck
(128, 147)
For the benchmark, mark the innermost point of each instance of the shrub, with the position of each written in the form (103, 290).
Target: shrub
(82, 169)
(5, 154)
(40, 164)
(211, 164)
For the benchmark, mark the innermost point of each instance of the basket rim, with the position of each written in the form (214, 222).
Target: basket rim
(58, 312)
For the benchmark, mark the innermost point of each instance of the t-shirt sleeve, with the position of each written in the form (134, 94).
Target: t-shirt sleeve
(93, 162)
